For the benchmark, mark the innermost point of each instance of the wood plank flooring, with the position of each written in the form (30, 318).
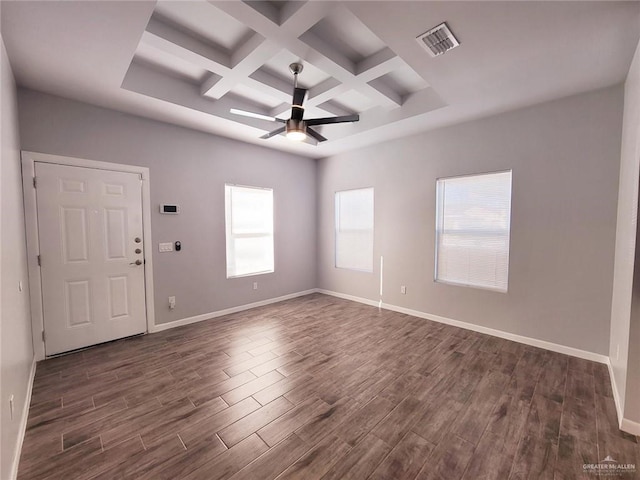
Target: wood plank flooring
(320, 388)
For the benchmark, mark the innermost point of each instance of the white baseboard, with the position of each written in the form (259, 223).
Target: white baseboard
(206, 316)
(23, 422)
(625, 424)
(630, 426)
(616, 395)
(353, 298)
(534, 342)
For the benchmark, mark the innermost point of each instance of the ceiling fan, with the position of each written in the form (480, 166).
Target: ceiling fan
(297, 128)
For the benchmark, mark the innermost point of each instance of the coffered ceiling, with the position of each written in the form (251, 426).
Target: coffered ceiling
(191, 62)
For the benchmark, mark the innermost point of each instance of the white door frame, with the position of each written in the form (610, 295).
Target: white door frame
(31, 221)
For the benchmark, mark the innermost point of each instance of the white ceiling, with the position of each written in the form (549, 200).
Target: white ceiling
(189, 62)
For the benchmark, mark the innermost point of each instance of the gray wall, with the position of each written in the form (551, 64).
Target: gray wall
(189, 168)
(16, 354)
(565, 157)
(625, 311)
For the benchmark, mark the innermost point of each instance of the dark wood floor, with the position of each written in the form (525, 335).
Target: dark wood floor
(320, 388)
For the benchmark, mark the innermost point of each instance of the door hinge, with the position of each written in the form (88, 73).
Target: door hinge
(34, 182)
(43, 336)
(39, 261)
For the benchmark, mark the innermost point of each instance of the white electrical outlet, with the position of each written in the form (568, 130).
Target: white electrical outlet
(172, 302)
(403, 290)
(255, 285)
(11, 406)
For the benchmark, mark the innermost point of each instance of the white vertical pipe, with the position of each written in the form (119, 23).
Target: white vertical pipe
(381, 275)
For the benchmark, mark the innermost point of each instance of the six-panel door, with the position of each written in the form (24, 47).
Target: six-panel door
(92, 258)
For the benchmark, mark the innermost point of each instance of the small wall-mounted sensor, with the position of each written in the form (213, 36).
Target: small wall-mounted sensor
(169, 208)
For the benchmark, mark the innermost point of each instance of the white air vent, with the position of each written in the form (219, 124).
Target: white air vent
(438, 40)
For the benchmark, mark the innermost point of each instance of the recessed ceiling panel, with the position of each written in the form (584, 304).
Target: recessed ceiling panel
(202, 19)
(404, 81)
(169, 64)
(354, 101)
(342, 31)
(274, 10)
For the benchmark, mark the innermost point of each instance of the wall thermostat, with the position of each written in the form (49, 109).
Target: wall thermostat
(169, 208)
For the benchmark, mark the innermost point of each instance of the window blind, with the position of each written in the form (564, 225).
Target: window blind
(249, 230)
(473, 222)
(354, 229)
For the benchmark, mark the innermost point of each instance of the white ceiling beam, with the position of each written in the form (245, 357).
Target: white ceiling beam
(174, 42)
(352, 82)
(312, 48)
(246, 50)
(323, 91)
(246, 60)
(378, 64)
(148, 81)
(280, 109)
(335, 109)
(370, 69)
(209, 82)
(287, 11)
(341, 68)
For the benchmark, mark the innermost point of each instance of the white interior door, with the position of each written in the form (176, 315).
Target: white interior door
(91, 254)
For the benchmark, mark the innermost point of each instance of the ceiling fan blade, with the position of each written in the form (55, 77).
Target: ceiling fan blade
(328, 120)
(273, 133)
(316, 135)
(298, 96)
(259, 116)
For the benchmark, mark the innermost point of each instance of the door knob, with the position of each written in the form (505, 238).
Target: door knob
(137, 262)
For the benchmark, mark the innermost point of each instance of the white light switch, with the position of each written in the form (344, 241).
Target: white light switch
(166, 247)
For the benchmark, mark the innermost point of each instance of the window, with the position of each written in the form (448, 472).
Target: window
(249, 228)
(473, 220)
(354, 229)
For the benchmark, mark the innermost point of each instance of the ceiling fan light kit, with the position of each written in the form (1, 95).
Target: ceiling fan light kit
(296, 128)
